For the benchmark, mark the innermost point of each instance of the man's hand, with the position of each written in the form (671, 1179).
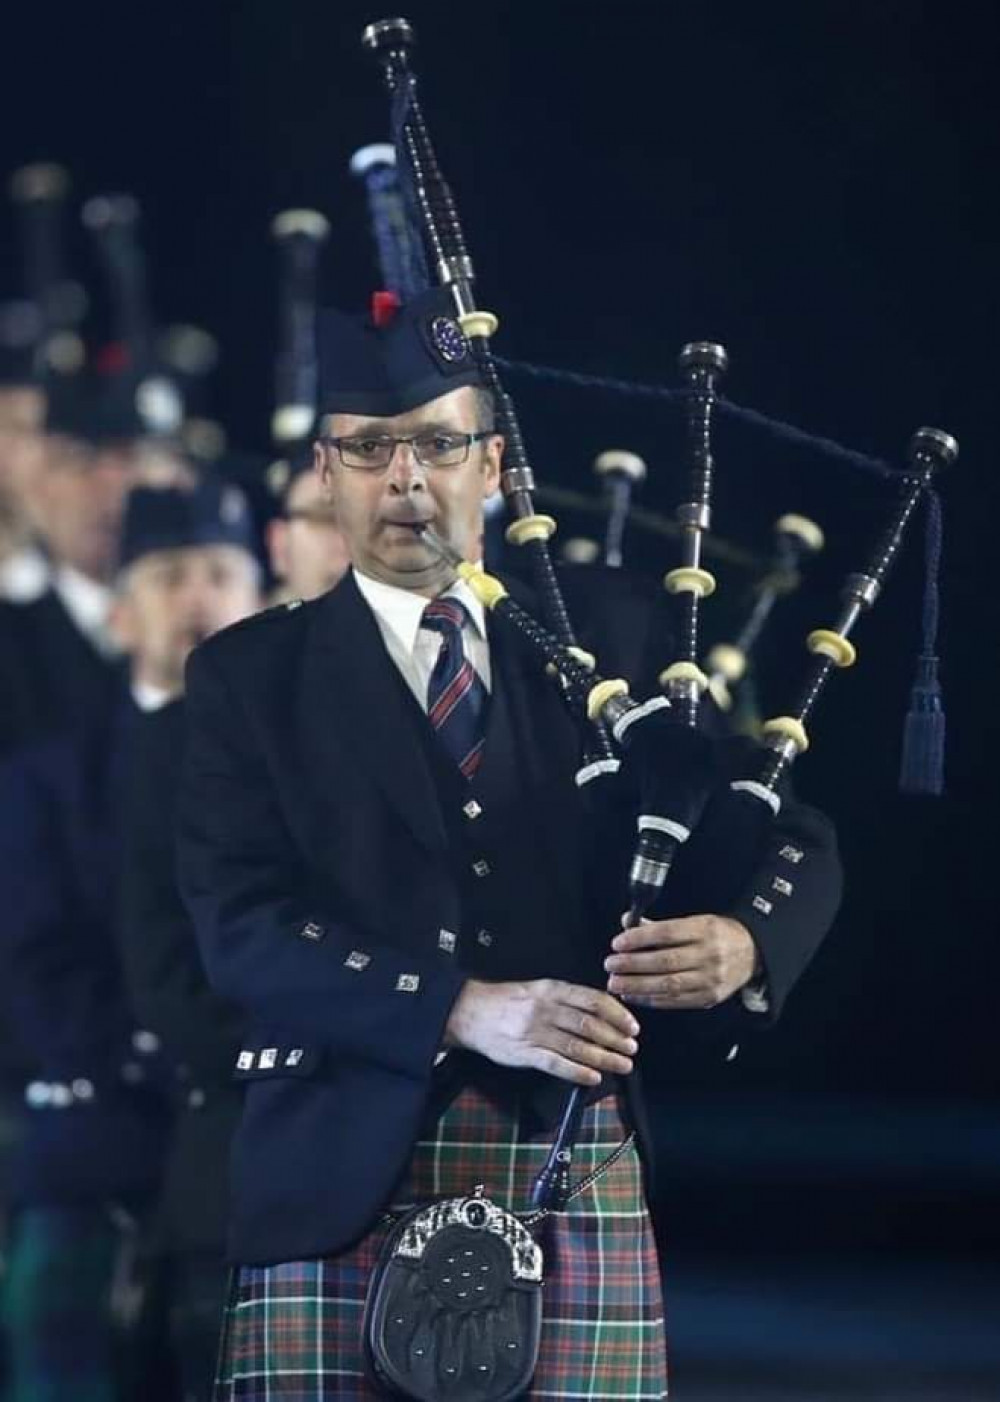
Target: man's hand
(696, 962)
(569, 1031)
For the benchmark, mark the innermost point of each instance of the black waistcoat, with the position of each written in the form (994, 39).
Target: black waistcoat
(519, 851)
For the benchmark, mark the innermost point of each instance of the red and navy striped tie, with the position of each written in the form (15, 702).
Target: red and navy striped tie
(456, 696)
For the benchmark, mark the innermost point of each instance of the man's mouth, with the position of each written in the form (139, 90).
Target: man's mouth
(415, 524)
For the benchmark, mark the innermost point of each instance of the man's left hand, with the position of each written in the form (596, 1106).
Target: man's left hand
(696, 962)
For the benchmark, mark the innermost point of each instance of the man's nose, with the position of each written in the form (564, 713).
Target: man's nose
(406, 475)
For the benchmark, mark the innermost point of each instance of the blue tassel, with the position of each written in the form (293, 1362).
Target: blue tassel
(921, 769)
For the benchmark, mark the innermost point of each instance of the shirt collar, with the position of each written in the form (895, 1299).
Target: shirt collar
(401, 610)
(151, 698)
(25, 575)
(87, 602)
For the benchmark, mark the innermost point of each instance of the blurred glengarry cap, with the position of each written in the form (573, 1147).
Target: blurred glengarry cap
(211, 512)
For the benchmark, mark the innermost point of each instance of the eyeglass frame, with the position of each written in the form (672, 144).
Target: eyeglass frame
(410, 439)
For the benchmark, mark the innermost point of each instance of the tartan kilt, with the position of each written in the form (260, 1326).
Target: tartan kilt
(56, 1306)
(293, 1331)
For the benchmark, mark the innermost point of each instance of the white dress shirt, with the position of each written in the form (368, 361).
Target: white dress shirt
(151, 698)
(414, 649)
(25, 575)
(88, 605)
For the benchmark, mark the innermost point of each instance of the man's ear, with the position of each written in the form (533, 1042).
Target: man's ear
(277, 547)
(492, 461)
(321, 463)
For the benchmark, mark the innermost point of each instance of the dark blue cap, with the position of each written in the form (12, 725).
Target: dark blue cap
(211, 512)
(101, 409)
(400, 356)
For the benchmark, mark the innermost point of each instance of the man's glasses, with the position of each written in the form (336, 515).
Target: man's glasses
(432, 449)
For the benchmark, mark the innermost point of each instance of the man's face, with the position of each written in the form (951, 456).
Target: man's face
(83, 494)
(376, 511)
(308, 550)
(170, 600)
(21, 412)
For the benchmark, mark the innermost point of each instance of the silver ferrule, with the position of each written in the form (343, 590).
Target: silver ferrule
(457, 273)
(647, 872)
(782, 745)
(861, 588)
(683, 691)
(517, 479)
(613, 710)
(695, 515)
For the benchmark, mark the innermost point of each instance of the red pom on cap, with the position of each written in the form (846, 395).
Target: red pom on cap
(112, 358)
(385, 305)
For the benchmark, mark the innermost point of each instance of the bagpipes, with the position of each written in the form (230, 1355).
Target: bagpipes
(133, 353)
(654, 766)
(299, 235)
(795, 539)
(655, 754)
(39, 193)
(620, 472)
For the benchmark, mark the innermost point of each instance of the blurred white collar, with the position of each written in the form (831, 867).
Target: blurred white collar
(88, 604)
(151, 698)
(25, 575)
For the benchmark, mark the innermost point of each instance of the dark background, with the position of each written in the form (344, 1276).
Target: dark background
(811, 184)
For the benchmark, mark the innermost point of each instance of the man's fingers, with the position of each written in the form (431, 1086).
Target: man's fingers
(669, 986)
(593, 1001)
(588, 1027)
(676, 1002)
(584, 1053)
(681, 959)
(566, 1070)
(656, 934)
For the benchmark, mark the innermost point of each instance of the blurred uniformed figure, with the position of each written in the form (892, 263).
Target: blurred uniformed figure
(306, 548)
(198, 1032)
(98, 1092)
(23, 567)
(58, 654)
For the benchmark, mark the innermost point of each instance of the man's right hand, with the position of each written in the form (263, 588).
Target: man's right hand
(568, 1030)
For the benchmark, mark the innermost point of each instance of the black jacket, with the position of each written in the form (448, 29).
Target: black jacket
(199, 1033)
(94, 1103)
(53, 677)
(326, 868)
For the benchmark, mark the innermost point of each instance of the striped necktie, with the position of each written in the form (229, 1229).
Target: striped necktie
(456, 696)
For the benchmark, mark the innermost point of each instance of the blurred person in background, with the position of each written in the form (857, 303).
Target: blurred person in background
(58, 654)
(23, 567)
(307, 551)
(81, 1317)
(199, 1032)
(23, 576)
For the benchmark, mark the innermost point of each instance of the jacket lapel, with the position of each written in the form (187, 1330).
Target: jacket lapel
(361, 699)
(524, 705)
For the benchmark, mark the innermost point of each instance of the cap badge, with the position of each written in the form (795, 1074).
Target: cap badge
(448, 339)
